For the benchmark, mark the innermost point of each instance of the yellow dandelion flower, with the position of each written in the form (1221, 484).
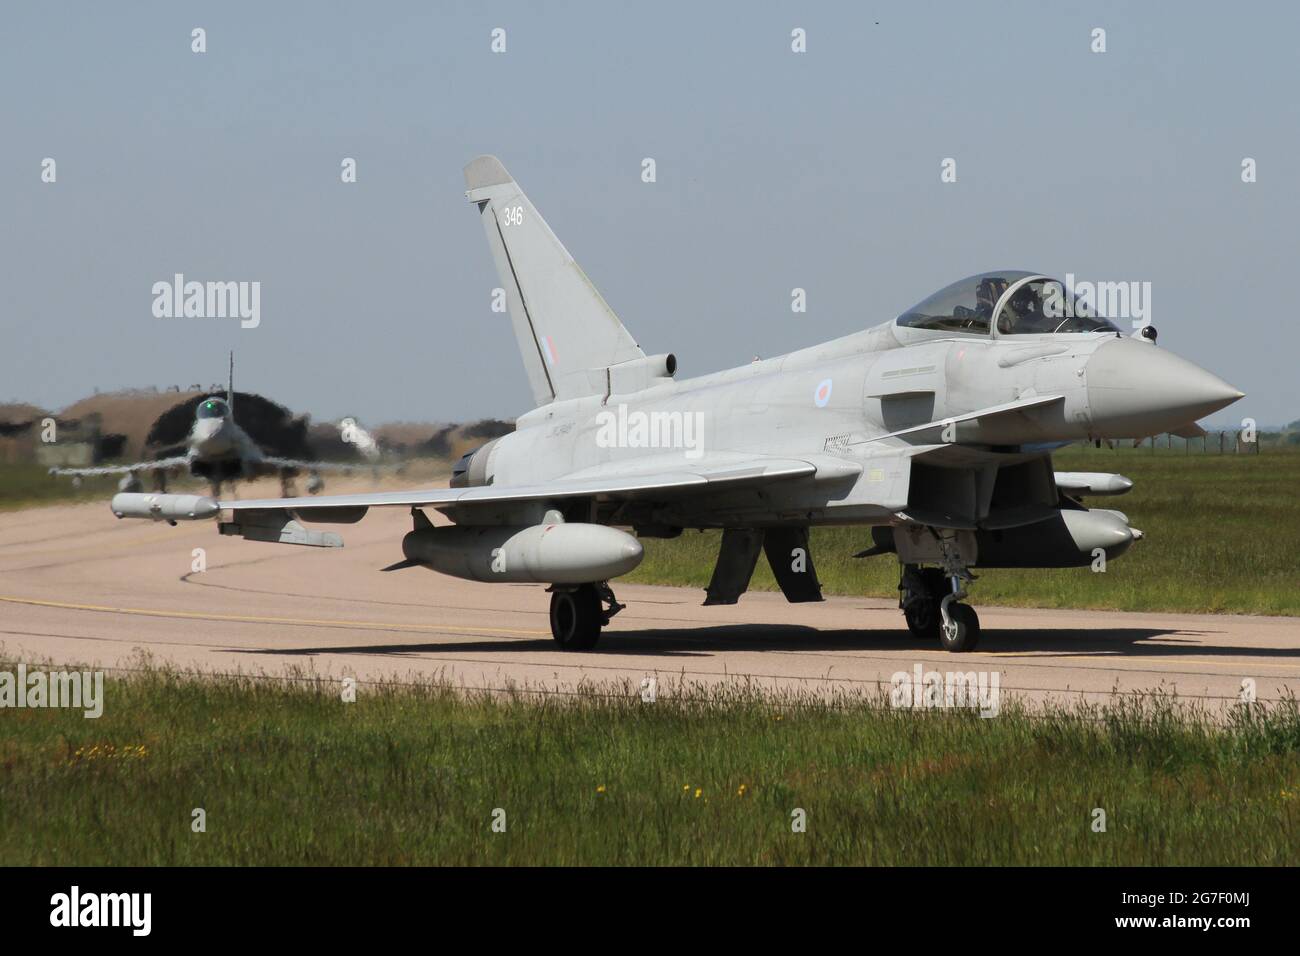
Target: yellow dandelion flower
(601, 788)
(698, 791)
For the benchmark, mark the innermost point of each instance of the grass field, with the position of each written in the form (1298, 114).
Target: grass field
(26, 484)
(288, 773)
(1222, 535)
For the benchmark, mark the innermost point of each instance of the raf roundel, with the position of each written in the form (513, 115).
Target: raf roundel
(823, 393)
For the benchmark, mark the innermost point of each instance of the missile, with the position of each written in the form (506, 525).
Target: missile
(1092, 483)
(164, 507)
(538, 554)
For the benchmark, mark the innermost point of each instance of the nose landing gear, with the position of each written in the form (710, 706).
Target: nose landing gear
(930, 600)
(921, 591)
(960, 628)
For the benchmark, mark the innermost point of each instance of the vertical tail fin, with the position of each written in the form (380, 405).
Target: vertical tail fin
(566, 332)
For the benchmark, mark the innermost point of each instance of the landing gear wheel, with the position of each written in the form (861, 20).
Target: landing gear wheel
(922, 590)
(962, 631)
(923, 620)
(576, 618)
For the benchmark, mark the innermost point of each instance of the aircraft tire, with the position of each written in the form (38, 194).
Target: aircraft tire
(576, 618)
(923, 620)
(964, 634)
(922, 611)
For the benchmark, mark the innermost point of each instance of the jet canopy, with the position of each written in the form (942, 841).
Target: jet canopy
(1012, 302)
(212, 408)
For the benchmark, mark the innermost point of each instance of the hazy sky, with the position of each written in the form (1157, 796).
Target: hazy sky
(819, 170)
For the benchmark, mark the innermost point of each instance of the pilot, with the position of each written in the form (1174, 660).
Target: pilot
(987, 295)
(1023, 313)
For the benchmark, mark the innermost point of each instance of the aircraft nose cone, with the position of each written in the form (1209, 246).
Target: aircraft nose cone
(211, 436)
(1136, 389)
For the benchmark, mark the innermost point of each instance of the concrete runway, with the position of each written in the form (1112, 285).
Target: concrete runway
(79, 586)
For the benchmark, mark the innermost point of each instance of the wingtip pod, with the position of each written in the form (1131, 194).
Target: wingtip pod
(164, 507)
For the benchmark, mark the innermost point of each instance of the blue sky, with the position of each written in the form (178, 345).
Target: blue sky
(775, 170)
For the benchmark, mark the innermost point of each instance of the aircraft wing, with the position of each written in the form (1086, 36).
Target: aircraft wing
(156, 464)
(337, 467)
(273, 519)
(593, 484)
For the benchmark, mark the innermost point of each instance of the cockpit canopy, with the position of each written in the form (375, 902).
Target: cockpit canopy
(212, 408)
(1036, 304)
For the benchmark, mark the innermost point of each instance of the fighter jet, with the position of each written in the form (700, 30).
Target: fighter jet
(217, 450)
(933, 432)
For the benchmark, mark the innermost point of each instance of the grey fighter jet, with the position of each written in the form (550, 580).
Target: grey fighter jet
(216, 450)
(933, 432)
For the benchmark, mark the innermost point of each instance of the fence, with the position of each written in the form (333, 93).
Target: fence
(1211, 443)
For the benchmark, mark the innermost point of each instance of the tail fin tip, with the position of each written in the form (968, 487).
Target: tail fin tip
(485, 171)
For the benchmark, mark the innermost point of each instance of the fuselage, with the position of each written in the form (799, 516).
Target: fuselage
(844, 398)
(217, 447)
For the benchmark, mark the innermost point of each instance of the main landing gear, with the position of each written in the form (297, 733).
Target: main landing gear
(578, 613)
(930, 600)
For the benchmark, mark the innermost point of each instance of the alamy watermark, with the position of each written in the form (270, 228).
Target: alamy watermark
(1085, 299)
(75, 908)
(920, 689)
(79, 690)
(208, 300)
(624, 428)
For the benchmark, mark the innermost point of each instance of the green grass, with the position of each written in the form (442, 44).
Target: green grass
(289, 774)
(1222, 535)
(25, 484)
